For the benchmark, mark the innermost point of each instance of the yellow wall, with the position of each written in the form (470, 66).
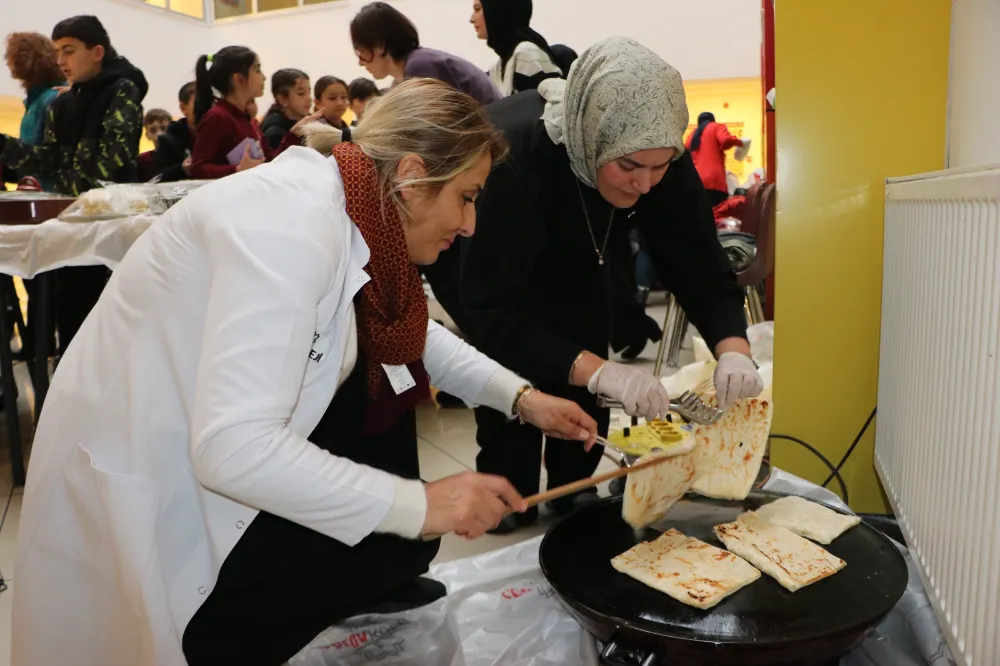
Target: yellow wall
(862, 91)
(11, 110)
(732, 101)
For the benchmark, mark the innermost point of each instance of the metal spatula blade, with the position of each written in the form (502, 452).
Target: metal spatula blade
(693, 408)
(688, 405)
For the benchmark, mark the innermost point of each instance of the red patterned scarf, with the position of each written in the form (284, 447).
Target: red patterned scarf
(392, 308)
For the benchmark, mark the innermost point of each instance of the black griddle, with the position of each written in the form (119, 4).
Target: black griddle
(762, 624)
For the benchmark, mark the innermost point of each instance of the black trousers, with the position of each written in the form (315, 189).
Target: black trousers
(77, 290)
(283, 584)
(514, 451)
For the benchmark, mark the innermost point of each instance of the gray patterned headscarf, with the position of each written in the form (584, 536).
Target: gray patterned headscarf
(619, 98)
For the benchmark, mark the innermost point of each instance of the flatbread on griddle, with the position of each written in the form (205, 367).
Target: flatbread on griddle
(808, 519)
(791, 560)
(691, 571)
(651, 491)
(729, 453)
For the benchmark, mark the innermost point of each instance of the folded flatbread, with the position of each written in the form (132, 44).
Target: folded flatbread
(783, 555)
(651, 491)
(691, 571)
(729, 453)
(809, 519)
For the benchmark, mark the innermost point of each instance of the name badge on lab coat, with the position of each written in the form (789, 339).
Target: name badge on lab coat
(399, 377)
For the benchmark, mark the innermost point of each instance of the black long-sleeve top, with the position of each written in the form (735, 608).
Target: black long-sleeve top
(172, 148)
(532, 290)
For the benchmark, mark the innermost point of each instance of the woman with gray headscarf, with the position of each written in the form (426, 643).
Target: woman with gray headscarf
(590, 156)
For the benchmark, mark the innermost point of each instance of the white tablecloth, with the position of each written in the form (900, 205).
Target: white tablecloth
(29, 249)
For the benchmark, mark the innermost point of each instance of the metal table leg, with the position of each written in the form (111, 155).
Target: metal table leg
(674, 328)
(43, 339)
(10, 395)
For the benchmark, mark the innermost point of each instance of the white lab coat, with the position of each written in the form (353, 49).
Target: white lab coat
(184, 402)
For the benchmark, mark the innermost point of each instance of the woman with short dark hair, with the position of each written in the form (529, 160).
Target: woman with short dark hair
(387, 44)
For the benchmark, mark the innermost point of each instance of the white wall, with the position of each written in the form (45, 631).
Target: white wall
(974, 84)
(163, 45)
(704, 39)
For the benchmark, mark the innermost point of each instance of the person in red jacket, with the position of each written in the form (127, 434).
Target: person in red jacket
(229, 137)
(708, 145)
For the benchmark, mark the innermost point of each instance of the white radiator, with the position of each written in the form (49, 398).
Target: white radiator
(937, 445)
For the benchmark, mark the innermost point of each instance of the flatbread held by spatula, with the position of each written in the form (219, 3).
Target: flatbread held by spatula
(791, 560)
(809, 519)
(651, 491)
(729, 453)
(691, 571)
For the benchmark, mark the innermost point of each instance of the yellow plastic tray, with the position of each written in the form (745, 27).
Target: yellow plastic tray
(655, 434)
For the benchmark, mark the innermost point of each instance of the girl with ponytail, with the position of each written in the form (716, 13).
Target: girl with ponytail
(229, 139)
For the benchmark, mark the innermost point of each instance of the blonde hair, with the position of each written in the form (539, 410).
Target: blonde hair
(446, 128)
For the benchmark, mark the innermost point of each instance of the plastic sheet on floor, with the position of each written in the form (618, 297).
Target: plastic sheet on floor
(500, 611)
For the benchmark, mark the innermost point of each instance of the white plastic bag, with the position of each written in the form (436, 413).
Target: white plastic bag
(761, 337)
(499, 611)
(424, 636)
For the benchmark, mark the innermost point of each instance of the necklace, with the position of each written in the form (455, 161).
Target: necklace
(590, 227)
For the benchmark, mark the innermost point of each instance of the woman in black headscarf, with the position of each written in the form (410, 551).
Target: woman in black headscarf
(526, 59)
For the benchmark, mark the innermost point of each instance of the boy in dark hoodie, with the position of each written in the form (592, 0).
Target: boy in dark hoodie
(92, 131)
(92, 134)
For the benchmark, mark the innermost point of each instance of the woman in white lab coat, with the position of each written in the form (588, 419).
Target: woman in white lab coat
(227, 460)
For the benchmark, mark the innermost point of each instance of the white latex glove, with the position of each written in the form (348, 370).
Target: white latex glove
(639, 392)
(736, 377)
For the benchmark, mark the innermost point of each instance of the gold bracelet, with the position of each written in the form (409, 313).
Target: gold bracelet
(523, 393)
(517, 399)
(573, 367)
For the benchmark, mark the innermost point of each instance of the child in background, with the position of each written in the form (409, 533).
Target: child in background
(173, 148)
(292, 98)
(156, 123)
(227, 140)
(34, 63)
(229, 137)
(91, 134)
(359, 93)
(332, 102)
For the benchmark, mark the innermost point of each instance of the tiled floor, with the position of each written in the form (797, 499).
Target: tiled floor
(447, 446)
